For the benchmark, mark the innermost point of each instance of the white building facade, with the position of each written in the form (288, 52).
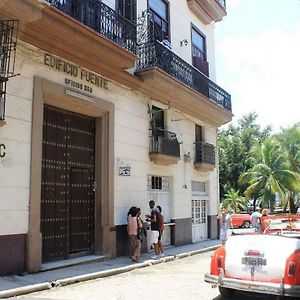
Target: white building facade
(114, 104)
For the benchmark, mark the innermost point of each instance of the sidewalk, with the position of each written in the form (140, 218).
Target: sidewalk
(11, 286)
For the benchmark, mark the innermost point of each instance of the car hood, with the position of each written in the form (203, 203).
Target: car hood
(258, 257)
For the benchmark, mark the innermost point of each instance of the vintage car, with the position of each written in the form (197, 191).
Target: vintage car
(241, 220)
(267, 262)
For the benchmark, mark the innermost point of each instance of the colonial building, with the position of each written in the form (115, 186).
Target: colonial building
(105, 105)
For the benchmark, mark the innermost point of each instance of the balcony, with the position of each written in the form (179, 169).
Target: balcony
(208, 10)
(205, 157)
(173, 80)
(8, 43)
(86, 32)
(164, 147)
(101, 18)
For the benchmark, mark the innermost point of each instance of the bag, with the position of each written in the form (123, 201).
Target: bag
(141, 233)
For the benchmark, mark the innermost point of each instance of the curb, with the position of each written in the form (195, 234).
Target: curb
(26, 290)
(101, 274)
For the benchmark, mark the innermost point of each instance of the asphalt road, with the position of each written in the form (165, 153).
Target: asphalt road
(181, 279)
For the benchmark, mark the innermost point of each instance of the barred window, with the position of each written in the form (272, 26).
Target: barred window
(158, 183)
(198, 187)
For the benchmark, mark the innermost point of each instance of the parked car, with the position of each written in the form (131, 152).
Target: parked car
(266, 262)
(241, 220)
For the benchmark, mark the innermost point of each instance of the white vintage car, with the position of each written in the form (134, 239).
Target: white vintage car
(267, 262)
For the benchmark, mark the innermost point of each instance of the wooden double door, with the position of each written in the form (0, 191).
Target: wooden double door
(68, 183)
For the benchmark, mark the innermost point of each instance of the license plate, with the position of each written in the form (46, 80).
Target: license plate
(254, 261)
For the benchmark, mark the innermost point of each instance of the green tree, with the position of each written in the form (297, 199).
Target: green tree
(235, 201)
(234, 145)
(289, 140)
(270, 173)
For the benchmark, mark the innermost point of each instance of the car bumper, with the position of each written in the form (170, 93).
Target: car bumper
(254, 286)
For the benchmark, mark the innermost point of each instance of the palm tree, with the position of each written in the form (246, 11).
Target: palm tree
(235, 201)
(290, 142)
(270, 174)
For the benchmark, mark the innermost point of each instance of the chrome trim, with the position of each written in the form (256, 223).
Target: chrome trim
(254, 286)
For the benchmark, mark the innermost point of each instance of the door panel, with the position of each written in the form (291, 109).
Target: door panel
(67, 200)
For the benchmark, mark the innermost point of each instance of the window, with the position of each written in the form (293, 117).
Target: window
(127, 9)
(158, 121)
(158, 183)
(159, 20)
(199, 214)
(199, 51)
(198, 187)
(198, 134)
(198, 44)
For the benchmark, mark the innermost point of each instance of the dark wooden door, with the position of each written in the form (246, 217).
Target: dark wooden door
(67, 201)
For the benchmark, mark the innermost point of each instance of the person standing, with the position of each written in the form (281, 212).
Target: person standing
(154, 232)
(256, 219)
(265, 220)
(161, 228)
(132, 229)
(225, 225)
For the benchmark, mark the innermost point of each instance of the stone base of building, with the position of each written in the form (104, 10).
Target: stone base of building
(12, 254)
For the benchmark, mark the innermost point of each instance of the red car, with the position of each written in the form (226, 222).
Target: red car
(241, 220)
(263, 263)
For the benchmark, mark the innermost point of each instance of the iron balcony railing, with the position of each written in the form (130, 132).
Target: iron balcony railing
(164, 142)
(8, 44)
(205, 153)
(155, 54)
(98, 16)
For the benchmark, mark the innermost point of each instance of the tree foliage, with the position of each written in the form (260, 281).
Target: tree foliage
(258, 164)
(235, 144)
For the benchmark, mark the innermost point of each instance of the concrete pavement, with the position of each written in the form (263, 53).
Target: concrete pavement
(11, 286)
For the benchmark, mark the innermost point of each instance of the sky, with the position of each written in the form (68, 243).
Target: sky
(258, 60)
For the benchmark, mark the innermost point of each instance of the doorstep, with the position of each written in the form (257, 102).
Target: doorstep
(72, 262)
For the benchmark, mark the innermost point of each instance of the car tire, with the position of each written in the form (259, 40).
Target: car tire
(246, 224)
(226, 292)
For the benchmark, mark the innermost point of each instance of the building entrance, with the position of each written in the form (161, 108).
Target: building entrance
(67, 197)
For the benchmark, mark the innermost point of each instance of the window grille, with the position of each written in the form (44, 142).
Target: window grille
(198, 187)
(8, 43)
(158, 183)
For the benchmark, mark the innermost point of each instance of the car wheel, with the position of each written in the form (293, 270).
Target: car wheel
(226, 292)
(246, 224)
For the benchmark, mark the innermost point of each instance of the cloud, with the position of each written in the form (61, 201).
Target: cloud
(262, 75)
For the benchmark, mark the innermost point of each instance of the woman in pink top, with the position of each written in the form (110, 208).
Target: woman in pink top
(133, 223)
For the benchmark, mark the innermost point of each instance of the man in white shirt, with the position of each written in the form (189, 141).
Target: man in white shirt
(255, 219)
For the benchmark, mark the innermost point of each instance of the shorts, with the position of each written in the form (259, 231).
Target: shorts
(154, 236)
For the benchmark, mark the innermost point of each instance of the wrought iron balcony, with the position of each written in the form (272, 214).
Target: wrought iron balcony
(157, 55)
(8, 42)
(205, 156)
(98, 16)
(164, 147)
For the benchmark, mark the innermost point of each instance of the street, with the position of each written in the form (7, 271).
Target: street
(177, 280)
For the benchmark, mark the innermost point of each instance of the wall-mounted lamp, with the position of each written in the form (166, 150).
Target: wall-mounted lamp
(187, 157)
(184, 42)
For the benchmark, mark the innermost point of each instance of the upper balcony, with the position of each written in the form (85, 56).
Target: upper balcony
(164, 147)
(205, 157)
(86, 32)
(173, 80)
(208, 10)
